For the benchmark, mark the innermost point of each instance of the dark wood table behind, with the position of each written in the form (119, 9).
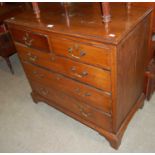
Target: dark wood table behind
(8, 10)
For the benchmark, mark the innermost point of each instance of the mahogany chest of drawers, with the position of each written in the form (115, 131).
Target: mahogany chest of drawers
(90, 71)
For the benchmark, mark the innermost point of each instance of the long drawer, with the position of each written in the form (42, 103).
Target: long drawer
(84, 111)
(93, 76)
(90, 54)
(87, 94)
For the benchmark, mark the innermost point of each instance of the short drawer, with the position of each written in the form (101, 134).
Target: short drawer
(85, 93)
(84, 111)
(93, 76)
(92, 55)
(31, 39)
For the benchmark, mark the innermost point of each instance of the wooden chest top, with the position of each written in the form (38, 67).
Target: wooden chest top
(83, 20)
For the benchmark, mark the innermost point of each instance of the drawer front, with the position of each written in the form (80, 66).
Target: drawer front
(81, 52)
(30, 39)
(84, 111)
(93, 76)
(89, 95)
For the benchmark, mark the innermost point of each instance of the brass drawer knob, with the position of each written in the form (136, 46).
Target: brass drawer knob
(27, 39)
(79, 75)
(77, 90)
(84, 73)
(82, 53)
(28, 42)
(31, 57)
(76, 48)
(70, 50)
(83, 113)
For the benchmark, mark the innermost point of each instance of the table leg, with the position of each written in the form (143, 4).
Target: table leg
(9, 64)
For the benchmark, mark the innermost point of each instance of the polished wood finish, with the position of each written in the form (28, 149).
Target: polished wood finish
(82, 28)
(33, 40)
(85, 93)
(84, 73)
(130, 75)
(147, 5)
(85, 111)
(82, 51)
(93, 72)
(152, 26)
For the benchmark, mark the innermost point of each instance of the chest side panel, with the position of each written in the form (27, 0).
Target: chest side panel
(131, 64)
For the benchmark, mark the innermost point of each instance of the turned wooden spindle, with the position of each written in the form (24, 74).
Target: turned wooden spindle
(67, 14)
(106, 12)
(128, 7)
(36, 9)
